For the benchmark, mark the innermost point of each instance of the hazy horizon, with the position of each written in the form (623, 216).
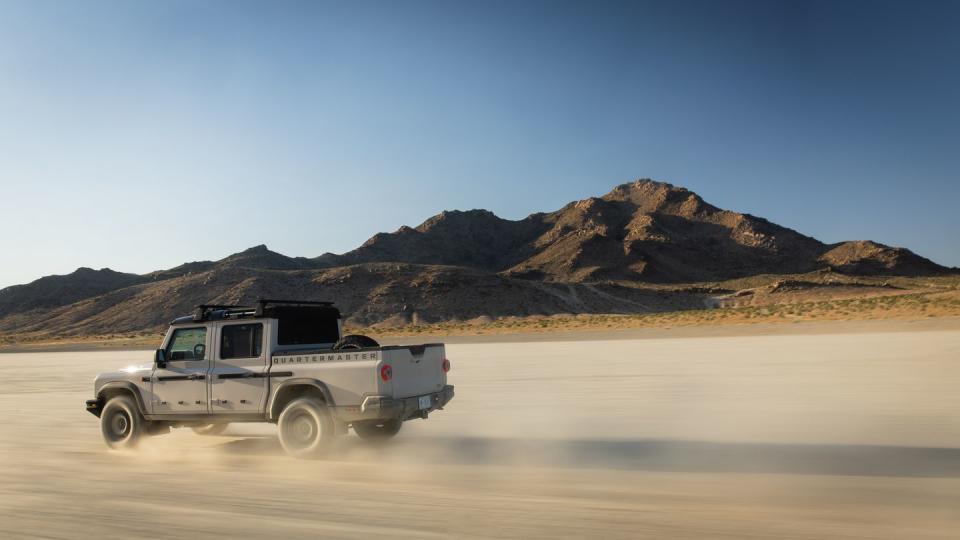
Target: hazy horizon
(138, 136)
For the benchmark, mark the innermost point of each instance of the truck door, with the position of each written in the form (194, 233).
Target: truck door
(181, 385)
(238, 378)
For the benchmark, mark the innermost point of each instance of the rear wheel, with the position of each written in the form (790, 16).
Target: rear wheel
(355, 341)
(209, 429)
(305, 427)
(121, 423)
(377, 430)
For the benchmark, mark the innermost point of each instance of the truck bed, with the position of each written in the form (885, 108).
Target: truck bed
(352, 375)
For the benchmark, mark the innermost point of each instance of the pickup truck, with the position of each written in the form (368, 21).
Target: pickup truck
(279, 361)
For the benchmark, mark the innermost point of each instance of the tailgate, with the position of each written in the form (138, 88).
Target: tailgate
(417, 369)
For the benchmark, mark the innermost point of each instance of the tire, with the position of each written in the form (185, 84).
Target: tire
(305, 427)
(209, 429)
(355, 341)
(121, 424)
(377, 430)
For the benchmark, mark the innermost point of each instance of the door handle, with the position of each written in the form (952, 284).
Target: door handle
(196, 377)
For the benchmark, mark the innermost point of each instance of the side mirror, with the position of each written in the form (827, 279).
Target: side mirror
(160, 358)
(198, 351)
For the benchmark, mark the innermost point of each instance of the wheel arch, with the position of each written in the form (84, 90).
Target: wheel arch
(120, 388)
(293, 388)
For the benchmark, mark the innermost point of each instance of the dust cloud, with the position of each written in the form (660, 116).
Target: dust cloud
(805, 436)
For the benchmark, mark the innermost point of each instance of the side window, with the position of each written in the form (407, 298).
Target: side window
(241, 341)
(187, 344)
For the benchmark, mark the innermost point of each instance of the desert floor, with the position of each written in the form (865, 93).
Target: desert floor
(825, 435)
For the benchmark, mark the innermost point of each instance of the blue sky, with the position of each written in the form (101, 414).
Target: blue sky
(139, 135)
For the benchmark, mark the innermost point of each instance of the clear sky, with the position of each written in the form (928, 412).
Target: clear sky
(139, 135)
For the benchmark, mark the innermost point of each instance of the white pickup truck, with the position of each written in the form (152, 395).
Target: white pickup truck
(279, 361)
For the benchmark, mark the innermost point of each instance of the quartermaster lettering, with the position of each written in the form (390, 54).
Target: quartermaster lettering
(333, 357)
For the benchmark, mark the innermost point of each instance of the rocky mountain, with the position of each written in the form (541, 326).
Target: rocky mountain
(611, 254)
(643, 231)
(474, 239)
(263, 258)
(863, 257)
(55, 291)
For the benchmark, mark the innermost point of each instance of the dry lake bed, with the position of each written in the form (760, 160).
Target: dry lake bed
(792, 436)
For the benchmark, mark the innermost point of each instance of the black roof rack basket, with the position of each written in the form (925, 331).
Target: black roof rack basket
(203, 312)
(263, 303)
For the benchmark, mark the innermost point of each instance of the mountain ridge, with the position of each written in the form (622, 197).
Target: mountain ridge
(586, 256)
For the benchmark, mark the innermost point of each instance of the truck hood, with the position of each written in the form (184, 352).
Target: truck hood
(130, 373)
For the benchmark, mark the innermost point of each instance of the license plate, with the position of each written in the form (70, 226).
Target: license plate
(426, 402)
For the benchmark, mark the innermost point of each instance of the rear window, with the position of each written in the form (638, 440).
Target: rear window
(241, 341)
(303, 327)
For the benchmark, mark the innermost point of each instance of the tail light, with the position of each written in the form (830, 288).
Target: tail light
(445, 365)
(386, 372)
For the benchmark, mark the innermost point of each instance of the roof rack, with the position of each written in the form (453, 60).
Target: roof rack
(202, 313)
(224, 311)
(264, 302)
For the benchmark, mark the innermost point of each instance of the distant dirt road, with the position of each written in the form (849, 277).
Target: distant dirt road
(821, 436)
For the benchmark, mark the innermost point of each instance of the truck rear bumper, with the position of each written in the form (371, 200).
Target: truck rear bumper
(383, 408)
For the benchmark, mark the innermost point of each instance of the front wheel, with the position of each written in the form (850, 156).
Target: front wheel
(305, 427)
(121, 423)
(377, 430)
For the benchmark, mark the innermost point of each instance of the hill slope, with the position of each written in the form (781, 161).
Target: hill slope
(372, 293)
